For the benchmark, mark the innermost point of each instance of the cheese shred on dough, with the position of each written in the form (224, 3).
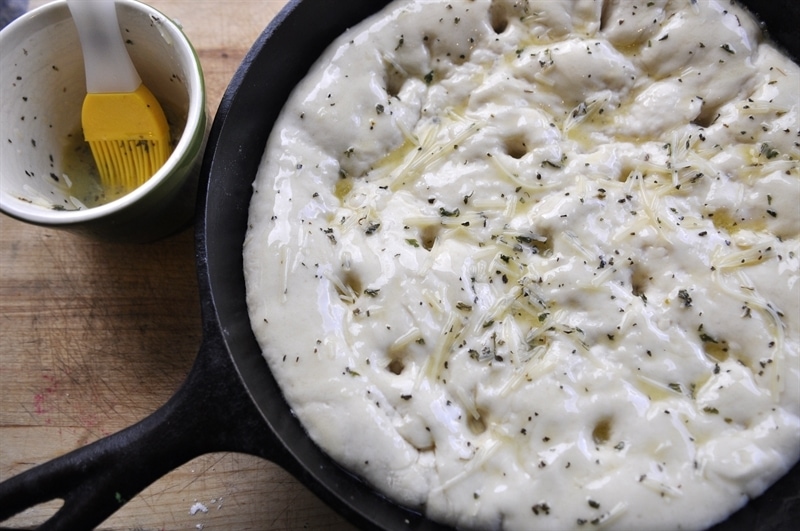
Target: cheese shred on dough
(536, 264)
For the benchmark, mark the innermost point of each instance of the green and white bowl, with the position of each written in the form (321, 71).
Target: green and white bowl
(43, 161)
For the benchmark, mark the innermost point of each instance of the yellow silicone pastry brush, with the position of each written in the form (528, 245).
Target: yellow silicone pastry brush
(122, 121)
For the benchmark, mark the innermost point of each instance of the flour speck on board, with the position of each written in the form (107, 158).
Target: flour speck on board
(197, 507)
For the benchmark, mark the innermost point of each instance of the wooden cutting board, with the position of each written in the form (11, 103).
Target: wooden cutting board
(95, 336)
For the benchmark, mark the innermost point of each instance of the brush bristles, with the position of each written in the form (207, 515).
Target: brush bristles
(128, 163)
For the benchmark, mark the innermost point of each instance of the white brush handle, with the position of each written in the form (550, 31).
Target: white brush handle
(108, 66)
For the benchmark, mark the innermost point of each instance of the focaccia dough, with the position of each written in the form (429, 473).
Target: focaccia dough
(534, 264)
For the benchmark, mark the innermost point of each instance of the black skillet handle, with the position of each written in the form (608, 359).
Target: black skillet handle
(210, 412)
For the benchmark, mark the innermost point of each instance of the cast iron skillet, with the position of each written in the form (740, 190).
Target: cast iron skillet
(230, 401)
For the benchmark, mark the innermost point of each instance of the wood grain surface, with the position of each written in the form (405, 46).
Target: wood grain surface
(95, 336)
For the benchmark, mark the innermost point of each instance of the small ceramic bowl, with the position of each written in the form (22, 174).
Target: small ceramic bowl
(45, 165)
